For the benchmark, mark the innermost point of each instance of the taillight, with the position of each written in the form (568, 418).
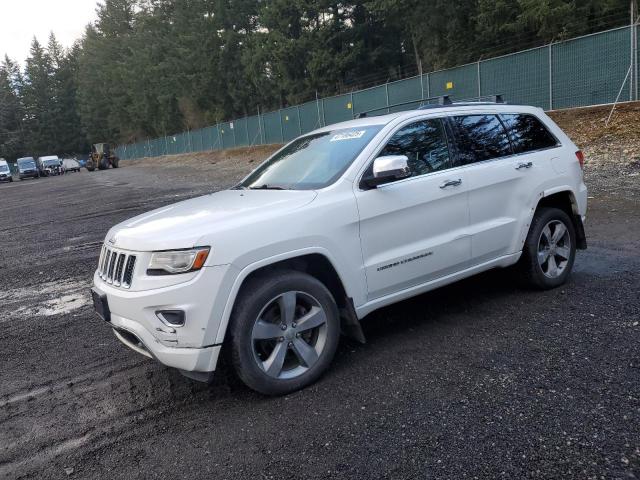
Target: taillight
(580, 157)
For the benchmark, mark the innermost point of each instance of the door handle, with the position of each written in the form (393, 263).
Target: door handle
(524, 165)
(451, 183)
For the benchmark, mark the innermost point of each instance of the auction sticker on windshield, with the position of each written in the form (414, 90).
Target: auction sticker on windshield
(348, 135)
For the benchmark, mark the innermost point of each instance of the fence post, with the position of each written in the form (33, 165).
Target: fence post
(635, 48)
(263, 139)
(479, 84)
(319, 124)
(281, 127)
(235, 144)
(386, 92)
(351, 101)
(299, 121)
(550, 78)
(632, 40)
(428, 86)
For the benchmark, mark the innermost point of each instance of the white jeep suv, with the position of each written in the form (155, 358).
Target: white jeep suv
(339, 222)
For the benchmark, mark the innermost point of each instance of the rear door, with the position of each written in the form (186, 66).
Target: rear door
(415, 230)
(507, 158)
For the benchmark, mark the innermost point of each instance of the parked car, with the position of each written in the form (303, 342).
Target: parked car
(70, 165)
(336, 224)
(50, 165)
(5, 171)
(27, 168)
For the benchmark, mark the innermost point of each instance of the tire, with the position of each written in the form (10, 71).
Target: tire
(549, 250)
(274, 360)
(115, 163)
(103, 164)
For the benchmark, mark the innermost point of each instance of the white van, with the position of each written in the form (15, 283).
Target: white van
(5, 171)
(49, 165)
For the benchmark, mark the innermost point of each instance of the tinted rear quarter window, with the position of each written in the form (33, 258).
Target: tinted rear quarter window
(481, 137)
(528, 133)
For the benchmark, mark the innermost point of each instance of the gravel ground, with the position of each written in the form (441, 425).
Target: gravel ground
(476, 380)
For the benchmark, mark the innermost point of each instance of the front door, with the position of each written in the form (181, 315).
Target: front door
(415, 230)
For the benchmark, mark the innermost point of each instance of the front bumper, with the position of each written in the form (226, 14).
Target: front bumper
(134, 336)
(190, 348)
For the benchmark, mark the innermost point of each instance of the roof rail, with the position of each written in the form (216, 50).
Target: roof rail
(441, 101)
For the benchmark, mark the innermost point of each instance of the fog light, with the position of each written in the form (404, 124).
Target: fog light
(171, 318)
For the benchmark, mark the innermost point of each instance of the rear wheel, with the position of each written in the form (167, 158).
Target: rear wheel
(550, 249)
(284, 332)
(115, 162)
(104, 164)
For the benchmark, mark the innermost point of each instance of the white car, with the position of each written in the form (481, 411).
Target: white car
(70, 165)
(336, 224)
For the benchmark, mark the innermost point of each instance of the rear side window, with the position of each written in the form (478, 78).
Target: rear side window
(482, 137)
(425, 145)
(528, 133)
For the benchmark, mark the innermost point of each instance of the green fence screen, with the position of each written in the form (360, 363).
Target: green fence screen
(589, 70)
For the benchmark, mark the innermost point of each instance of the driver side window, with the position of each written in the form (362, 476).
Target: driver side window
(425, 145)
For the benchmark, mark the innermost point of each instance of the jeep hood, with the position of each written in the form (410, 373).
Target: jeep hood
(183, 224)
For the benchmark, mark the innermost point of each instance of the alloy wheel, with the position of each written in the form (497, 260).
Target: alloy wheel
(554, 248)
(289, 335)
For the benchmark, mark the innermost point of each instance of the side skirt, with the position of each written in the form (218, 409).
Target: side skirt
(372, 305)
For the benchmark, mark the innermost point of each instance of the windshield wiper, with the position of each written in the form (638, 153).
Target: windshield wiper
(267, 187)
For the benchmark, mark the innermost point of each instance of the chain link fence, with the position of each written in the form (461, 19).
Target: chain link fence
(588, 70)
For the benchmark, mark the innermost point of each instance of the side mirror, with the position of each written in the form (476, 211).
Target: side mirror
(387, 169)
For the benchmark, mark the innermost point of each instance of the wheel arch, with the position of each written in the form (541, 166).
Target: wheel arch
(315, 262)
(565, 200)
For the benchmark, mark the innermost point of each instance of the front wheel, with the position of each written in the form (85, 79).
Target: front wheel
(549, 250)
(283, 333)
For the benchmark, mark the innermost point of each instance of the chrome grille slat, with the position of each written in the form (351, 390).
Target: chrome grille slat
(112, 261)
(106, 265)
(127, 276)
(115, 267)
(117, 276)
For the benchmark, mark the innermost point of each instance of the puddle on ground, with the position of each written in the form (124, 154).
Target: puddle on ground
(46, 299)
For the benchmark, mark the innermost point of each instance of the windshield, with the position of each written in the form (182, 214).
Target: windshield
(51, 163)
(313, 161)
(26, 164)
(4, 168)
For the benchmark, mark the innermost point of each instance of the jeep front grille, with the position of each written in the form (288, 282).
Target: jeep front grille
(116, 268)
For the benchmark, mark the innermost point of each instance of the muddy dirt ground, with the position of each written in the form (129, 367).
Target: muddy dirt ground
(480, 379)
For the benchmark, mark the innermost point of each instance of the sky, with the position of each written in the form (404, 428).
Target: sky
(21, 20)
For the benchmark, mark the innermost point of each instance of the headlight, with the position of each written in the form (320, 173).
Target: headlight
(177, 261)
